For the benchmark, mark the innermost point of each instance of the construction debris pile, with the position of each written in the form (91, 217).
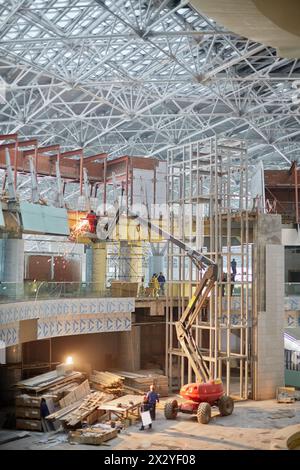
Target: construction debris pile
(91, 411)
(52, 386)
(76, 411)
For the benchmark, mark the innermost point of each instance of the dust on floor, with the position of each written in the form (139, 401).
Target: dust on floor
(251, 427)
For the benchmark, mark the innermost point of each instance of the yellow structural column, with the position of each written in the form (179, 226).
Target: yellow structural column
(99, 266)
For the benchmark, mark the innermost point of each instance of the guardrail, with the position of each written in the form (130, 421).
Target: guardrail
(39, 290)
(292, 288)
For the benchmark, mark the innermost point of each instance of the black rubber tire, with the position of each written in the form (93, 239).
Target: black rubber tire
(171, 409)
(225, 405)
(204, 413)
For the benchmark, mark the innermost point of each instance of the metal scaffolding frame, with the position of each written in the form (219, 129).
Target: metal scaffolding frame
(127, 261)
(136, 77)
(209, 209)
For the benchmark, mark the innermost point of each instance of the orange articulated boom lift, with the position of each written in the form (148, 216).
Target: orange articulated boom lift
(206, 392)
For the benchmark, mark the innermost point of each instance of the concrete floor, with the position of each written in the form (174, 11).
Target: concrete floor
(251, 426)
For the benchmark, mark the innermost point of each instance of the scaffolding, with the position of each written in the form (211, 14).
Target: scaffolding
(128, 261)
(208, 208)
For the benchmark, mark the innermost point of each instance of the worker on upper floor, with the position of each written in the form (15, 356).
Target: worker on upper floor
(233, 268)
(154, 284)
(162, 280)
(92, 220)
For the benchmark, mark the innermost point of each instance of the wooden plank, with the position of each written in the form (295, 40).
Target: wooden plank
(79, 411)
(45, 381)
(64, 411)
(79, 392)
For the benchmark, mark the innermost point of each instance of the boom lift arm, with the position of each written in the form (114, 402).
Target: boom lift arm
(206, 284)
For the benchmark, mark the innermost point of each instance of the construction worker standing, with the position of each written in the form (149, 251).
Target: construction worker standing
(153, 398)
(144, 408)
(92, 219)
(162, 280)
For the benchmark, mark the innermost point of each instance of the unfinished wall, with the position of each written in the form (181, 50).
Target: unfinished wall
(153, 345)
(96, 351)
(269, 340)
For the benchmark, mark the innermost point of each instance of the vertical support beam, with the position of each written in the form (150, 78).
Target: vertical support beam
(81, 173)
(104, 183)
(131, 180)
(16, 164)
(269, 353)
(296, 192)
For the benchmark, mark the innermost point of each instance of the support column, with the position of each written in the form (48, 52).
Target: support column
(99, 266)
(269, 331)
(2, 258)
(13, 267)
(88, 264)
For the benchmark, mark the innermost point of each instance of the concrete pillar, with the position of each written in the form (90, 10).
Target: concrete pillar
(2, 258)
(268, 338)
(14, 260)
(99, 266)
(88, 264)
(13, 267)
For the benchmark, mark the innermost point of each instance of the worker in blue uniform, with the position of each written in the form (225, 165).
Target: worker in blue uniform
(153, 398)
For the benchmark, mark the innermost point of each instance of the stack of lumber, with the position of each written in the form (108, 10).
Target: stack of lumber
(52, 386)
(85, 409)
(47, 381)
(140, 381)
(93, 435)
(107, 382)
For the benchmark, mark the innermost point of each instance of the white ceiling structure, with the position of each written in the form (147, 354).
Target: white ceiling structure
(138, 76)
